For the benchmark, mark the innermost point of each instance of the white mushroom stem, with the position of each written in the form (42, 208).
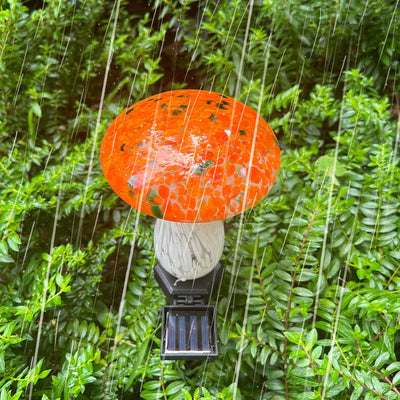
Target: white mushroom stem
(188, 251)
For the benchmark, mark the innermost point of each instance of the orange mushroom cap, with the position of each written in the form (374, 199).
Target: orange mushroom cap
(190, 156)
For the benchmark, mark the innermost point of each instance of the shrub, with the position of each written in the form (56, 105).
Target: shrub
(309, 304)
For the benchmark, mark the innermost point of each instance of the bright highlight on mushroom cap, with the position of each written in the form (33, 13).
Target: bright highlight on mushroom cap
(190, 156)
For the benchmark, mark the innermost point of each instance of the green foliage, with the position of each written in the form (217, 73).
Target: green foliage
(309, 305)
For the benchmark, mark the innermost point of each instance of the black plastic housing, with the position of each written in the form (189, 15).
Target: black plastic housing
(197, 291)
(189, 330)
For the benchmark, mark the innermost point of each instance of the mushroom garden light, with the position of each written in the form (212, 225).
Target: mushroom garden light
(190, 158)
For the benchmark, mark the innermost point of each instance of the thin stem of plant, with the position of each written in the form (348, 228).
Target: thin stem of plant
(286, 363)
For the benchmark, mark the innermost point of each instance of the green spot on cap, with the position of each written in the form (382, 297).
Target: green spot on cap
(203, 166)
(157, 211)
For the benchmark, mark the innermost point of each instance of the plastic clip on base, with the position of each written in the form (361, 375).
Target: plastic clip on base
(189, 329)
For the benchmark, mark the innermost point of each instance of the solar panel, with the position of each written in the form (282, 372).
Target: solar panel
(189, 332)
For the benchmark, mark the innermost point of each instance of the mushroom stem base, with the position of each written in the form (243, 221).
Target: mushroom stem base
(188, 251)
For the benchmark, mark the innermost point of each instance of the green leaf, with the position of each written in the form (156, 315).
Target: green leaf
(303, 292)
(151, 385)
(294, 337)
(394, 366)
(36, 109)
(253, 349)
(357, 391)
(13, 241)
(59, 279)
(396, 379)
(187, 396)
(310, 339)
(327, 164)
(265, 352)
(2, 363)
(147, 395)
(382, 359)
(44, 373)
(6, 259)
(174, 387)
(3, 248)
(205, 393)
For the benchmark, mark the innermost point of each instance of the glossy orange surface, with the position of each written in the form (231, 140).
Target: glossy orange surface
(190, 156)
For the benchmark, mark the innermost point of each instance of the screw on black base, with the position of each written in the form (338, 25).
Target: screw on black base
(189, 330)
